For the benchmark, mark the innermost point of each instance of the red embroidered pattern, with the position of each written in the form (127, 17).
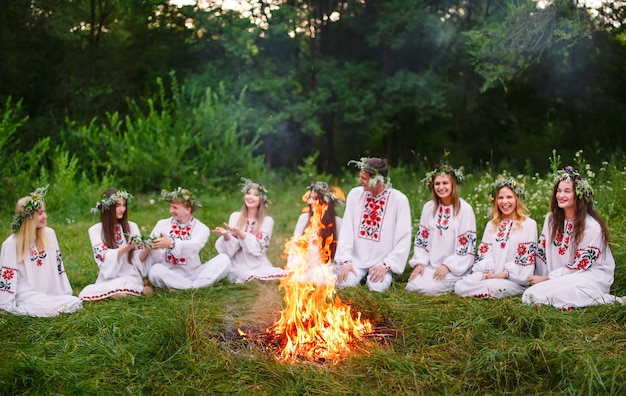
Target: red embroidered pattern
(503, 233)
(37, 257)
(5, 281)
(180, 232)
(118, 235)
(562, 241)
(443, 218)
(373, 215)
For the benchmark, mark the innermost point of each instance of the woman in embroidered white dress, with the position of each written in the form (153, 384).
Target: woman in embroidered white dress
(33, 281)
(506, 256)
(320, 266)
(246, 238)
(445, 241)
(120, 270)
(575, 266)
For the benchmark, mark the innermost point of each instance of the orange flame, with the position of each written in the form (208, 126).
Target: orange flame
(315, 323)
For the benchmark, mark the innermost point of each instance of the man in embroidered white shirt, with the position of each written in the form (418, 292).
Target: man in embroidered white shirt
(375, 237)
(175, 250)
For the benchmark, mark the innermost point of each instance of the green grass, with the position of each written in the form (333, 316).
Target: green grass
(181, 343)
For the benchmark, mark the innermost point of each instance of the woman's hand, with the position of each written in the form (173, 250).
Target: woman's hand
(344, 271)
(417, 271)
(441, 272)
(377, 273)
(490, 275)
(534, 279)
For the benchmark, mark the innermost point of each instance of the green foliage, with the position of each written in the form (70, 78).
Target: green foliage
(503, 48)
(19, 169)
(192, 140)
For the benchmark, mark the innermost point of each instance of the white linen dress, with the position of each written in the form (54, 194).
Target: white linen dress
(248, 256)
(578, 278)
(115, 274)
(444, 238)
(38, 285)
(502, 248)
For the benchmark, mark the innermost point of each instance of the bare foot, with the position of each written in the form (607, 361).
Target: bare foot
(118, 296)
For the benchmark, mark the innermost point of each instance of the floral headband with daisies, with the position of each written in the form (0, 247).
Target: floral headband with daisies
(250, 185)
(180, 195)
(110, 201)
(376, 176)
(510, 182)
(584, 191)
(440, 169)
(33, 204)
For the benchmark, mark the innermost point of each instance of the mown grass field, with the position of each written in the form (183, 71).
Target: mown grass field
(181, 343)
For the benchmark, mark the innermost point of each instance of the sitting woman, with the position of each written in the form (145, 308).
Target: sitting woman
(119, 266)
(446, 238)
(575, 266)
(33, 281)
(246, 238)
(506, 257)
(321, 225)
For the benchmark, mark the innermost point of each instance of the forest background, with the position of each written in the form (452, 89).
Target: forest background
(122, 86)
(145, 95)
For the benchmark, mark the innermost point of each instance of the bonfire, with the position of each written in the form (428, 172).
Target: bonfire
(315, 324)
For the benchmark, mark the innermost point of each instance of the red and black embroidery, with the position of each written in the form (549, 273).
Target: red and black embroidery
(373, 215)
(118, 235)
(37, 257)
(562, 241)
(503, 233)
(179, 232)
(421, 237)
(466, 243)
(482, 251)
(443, 218)
(5, 280)
(584, 258)
(526, 253)
(98, 253)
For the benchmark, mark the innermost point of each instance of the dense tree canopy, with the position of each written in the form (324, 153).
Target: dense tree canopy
(486, 80)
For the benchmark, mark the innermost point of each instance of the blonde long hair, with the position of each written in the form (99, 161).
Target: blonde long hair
(454, 194)
(520, 210)
(260, 216)
(28, 233)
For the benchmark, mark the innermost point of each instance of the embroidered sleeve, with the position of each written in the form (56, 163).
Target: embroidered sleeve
(584, 258)
(541, 249)
(7, 275)
(60, 265)
(264, 241)
(525, 253)
(484, 257)
(98, 253)
(466, 243)
(421, 238)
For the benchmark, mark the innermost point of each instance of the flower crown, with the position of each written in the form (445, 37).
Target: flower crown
(376, 176)
(181, 195)
(249, 184)
(33, 204)
(325, 193)
(510, 182)
(440, 169)
(584, 191)
(110, 201)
